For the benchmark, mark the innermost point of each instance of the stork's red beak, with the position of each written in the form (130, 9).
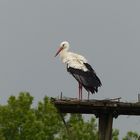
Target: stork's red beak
(60, 49)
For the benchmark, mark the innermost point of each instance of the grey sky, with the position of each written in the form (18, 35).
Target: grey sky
(106, 32)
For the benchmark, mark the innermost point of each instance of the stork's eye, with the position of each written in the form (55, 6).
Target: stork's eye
(63, 45)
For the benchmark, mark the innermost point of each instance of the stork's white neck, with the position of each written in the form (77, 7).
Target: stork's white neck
(63, 53)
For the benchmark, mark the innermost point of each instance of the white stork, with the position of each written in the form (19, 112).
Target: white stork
(79, 68)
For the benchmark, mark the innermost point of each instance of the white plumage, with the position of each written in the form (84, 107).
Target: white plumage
(72, 59)
(77, 65)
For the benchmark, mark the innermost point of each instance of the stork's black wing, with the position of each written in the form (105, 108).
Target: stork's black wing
(88, 79)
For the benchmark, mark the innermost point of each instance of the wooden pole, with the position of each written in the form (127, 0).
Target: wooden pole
(105, 126)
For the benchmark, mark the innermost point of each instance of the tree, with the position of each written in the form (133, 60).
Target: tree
(18, 120)
(131, 136)
(14, 116)
(115, 134)
(79, 129)
(48, 115)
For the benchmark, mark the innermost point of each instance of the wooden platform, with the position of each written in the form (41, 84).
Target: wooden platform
(97, 106)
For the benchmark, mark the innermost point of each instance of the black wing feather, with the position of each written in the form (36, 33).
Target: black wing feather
(88, 79)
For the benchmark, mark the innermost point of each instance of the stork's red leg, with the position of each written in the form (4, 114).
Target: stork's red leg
(79, 90)
(80, 85)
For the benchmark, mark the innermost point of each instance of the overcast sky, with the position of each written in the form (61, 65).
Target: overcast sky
(106, 32)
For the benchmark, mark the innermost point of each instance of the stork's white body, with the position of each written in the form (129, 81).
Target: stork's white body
(79, 68)
(73, 60)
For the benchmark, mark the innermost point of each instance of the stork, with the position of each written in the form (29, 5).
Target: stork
(79, 68)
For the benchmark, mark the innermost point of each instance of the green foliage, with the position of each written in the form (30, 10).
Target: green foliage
(47, 114)
(19, 121)
(15, 115)
(131, 136)
(79, 129)
(115, 134)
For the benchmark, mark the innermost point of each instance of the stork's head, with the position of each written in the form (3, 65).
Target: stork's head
(63, 46)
